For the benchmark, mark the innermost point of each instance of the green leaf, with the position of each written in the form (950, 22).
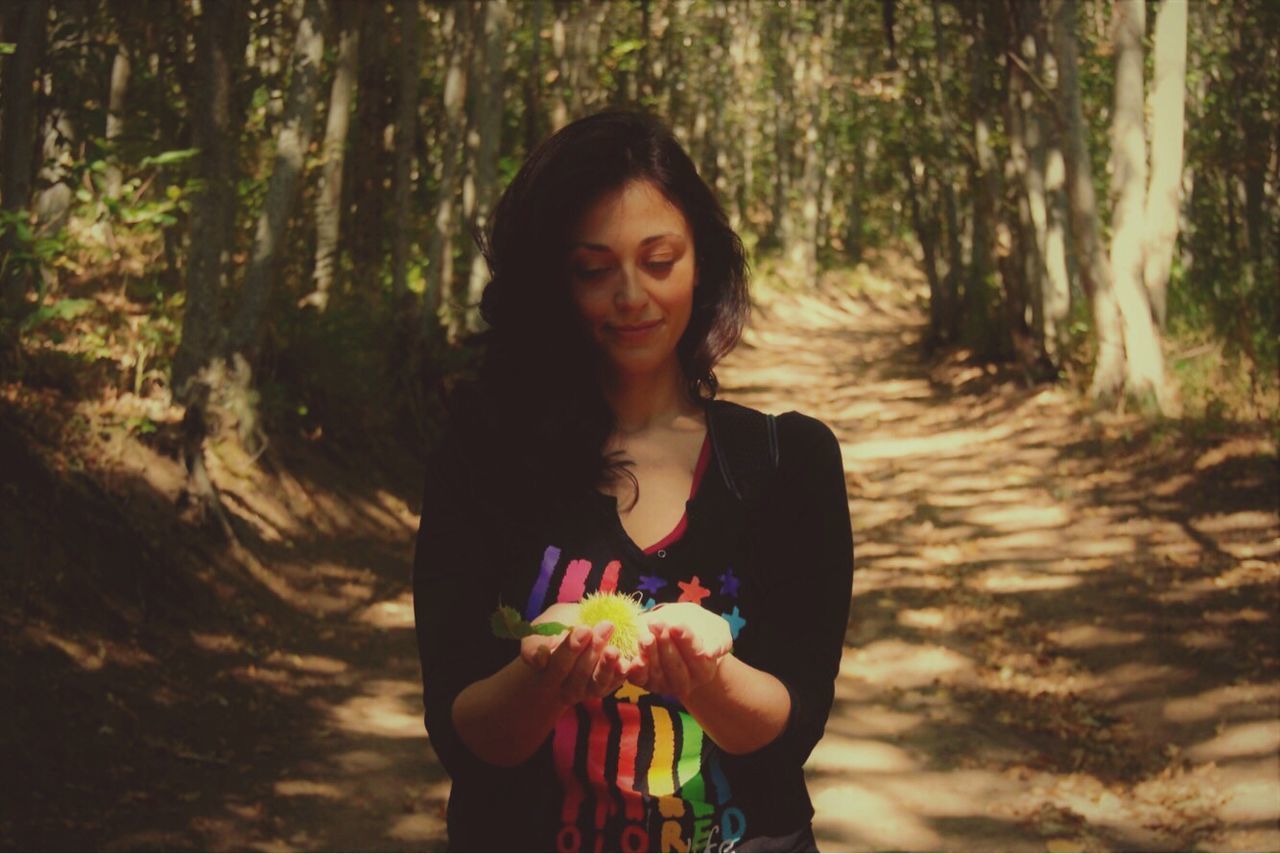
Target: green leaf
(64, 309)
(165, 158)
(507, 623)
(7, 48)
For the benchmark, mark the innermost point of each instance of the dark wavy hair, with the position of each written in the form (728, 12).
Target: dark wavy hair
(534, 423)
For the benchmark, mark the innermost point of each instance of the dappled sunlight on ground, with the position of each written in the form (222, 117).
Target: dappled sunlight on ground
(1057, 636)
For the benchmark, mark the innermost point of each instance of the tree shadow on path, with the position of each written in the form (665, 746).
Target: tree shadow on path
(1059, 631)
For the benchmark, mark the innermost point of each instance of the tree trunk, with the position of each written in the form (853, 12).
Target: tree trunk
(979, 327)
(484, 136)
(120, 68)
(1026, 148)
(809, 73)
(198, 374)
(337, 124)
(406, 129)
(25, 26)
(559, 50)
(365, 225)
(219, 52)
(1144, 362)
(914, 171)
(1109, 368)
(1056, 295)
(1168, 99)
(291, 148)
(951, 158)
(440, 242)
(533, 81)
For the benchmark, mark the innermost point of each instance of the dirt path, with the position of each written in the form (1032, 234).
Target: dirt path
(1060, 627)
(1059, 636)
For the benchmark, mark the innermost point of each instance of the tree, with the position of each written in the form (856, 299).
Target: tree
(1164, 196)
(1144, 363)
(291, 147)
(25, 27)
(1109, 365)
(328, 206)
(406, 128)
(483, 136)
(453, 127)
(197, 372)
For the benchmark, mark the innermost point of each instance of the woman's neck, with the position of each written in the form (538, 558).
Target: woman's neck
(641, 402)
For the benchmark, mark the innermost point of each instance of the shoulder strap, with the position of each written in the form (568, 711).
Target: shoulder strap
(746, 446)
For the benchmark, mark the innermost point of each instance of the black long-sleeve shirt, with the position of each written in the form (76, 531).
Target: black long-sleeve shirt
(634, 771)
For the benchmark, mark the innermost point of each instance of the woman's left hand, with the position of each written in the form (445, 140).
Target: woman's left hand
(681, 647)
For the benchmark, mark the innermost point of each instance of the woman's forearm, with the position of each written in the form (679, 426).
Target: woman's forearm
(742, 708)
(504, 718)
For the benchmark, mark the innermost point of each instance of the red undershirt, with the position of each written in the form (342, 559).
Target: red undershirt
(678, 531)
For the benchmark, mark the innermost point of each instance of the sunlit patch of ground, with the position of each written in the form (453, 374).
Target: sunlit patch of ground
(1060, 639)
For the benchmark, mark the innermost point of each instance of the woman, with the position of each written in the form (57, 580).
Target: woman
(590, 455)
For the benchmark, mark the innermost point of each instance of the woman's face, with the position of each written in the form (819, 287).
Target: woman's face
(632, 274)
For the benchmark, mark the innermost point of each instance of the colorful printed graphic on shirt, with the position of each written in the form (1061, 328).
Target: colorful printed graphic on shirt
(636, 770)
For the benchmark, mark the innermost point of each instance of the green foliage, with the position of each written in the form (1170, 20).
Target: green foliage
(29, 251)
(506, 623)
(63, 309)
(169, 158)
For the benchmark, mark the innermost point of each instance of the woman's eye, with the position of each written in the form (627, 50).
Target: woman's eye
(590, 272)
(662, 265)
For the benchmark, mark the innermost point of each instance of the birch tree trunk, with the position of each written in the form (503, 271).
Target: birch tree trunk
(406, 129)
(440, 242)
(808, 86)
(1144, 362)
(1056, 296)
(1168, 104)
(1026, 147)
(337, 125)
(291, 147)
(483, 139)
(120, 67)
(1109, 367)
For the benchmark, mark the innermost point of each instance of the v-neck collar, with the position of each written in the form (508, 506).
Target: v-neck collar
(608, 504)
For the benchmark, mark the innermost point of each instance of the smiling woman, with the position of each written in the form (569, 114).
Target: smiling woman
(616, 287)
(632, 287)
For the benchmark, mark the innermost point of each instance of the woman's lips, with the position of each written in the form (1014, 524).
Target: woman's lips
(629, 332)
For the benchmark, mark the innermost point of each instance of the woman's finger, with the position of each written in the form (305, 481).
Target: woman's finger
(673, 666)
(608, 674)
(565, 657)
(576, 684)
(654, 678)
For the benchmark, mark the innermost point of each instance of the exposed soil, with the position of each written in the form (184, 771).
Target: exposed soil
(1059, 637)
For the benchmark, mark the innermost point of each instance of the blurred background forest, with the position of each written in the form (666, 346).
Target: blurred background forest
(282, 193)
(234, 229)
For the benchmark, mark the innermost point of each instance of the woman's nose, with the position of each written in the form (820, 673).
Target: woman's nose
(630, 293)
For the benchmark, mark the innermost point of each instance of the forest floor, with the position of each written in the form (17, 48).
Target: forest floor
(1058, 638)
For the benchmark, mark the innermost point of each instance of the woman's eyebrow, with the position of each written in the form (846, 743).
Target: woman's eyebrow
(600, 247)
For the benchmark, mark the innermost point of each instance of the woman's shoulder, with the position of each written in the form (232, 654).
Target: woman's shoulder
(799, 427)
(806, 444)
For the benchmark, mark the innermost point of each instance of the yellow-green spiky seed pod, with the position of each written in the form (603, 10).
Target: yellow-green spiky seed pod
(620, 609)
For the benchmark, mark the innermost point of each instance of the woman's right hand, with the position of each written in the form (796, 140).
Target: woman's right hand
(575, 664)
